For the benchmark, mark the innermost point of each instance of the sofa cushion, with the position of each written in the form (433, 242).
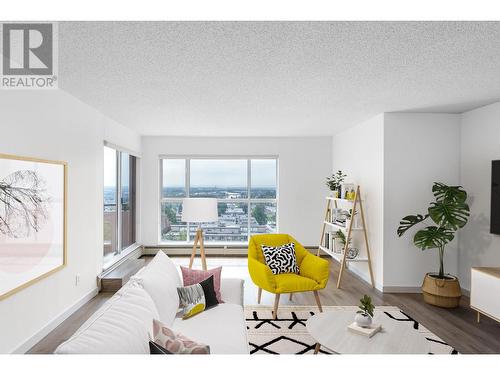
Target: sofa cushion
(175, 342)
(289, 283)
(122, 326)
(191, 277)
(232, 291)
(198, 297)
(281, 259)
(222, 327)
(161, 279)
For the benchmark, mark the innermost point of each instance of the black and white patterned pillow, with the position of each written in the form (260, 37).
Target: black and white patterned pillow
(281, 259)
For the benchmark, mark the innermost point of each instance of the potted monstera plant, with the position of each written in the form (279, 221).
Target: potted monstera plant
(449, 212)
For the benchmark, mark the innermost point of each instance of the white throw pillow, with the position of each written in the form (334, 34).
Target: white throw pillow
(161, 279)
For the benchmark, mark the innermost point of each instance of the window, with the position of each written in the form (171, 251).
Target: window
(246, 190)
(119, 203)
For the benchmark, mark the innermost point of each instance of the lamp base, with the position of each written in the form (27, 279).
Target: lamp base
(198, 240)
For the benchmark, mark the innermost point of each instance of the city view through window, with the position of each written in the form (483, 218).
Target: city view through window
(246, 190)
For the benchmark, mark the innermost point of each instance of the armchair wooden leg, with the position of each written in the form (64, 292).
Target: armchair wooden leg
(317, 347)
(276, 303)
(259, 295)
(318, 302)
(291, 295)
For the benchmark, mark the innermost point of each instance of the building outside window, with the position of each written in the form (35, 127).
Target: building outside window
(246, 190)
(119, 203)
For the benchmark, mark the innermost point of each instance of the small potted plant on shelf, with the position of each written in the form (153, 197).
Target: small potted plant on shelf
(334, 183)
(364, 315)
(352, 252)
(449, 212)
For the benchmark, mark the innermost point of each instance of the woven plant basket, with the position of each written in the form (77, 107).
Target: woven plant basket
(441, 292)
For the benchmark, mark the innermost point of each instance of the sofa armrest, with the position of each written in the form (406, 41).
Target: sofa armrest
(261, 275)
(231, 291)
(315, 268)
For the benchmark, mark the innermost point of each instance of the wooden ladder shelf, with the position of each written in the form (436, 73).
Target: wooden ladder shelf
(342, 258)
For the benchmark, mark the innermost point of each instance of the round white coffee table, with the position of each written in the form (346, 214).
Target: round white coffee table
(329, 329)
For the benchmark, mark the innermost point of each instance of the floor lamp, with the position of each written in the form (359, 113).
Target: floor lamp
(199, 210)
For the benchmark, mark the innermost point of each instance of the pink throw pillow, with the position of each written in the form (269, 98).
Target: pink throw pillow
(176, 343)
(191, 277)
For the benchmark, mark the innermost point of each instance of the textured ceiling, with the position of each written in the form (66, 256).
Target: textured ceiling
(275, 78)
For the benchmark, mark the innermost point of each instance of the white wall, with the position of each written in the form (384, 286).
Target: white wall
(420, 148)
(396, 159)
(303, 165)
(359, 152)
(54, 125)
(480, 144)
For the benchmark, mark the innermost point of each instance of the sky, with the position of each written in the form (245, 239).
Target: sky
(204, 172)
(220, 173)
(110, 167)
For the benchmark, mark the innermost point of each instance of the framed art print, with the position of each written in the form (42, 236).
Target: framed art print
(33, 200)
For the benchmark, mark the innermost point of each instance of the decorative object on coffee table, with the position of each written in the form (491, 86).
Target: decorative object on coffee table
(449, 212)
(364, 331)
(365, 313)
(199, 210)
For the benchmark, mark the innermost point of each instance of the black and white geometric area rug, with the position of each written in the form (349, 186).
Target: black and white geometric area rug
(288, 333)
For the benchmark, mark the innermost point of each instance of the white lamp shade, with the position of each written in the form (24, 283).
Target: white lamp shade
(199, 210)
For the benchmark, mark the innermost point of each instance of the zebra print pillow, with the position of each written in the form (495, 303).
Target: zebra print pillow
(281, 259)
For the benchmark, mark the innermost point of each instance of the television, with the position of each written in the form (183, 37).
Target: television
(495, 197)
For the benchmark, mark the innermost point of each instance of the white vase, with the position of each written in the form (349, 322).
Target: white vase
(363, 320)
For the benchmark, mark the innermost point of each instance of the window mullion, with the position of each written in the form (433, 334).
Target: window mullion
(118, 202)
(187, 179)
(249, 190)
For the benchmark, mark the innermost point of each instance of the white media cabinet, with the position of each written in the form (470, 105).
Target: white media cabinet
(485, 292)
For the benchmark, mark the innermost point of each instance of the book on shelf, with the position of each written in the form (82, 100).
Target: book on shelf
(364, 331)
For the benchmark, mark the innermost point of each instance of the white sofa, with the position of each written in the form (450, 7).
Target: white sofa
(123, 324)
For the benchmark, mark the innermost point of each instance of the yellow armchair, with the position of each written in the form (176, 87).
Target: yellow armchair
(313, 271)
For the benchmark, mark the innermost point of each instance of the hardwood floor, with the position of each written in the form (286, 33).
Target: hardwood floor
(457, 327)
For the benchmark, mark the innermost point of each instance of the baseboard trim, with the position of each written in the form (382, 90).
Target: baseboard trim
(33, 340)
(402, 289)
(215, 251)
(364, 277)
(187, 251)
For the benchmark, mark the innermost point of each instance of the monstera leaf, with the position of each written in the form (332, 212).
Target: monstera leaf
(432, 237)
(408, 221)
(445, 193)
(449, 214)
